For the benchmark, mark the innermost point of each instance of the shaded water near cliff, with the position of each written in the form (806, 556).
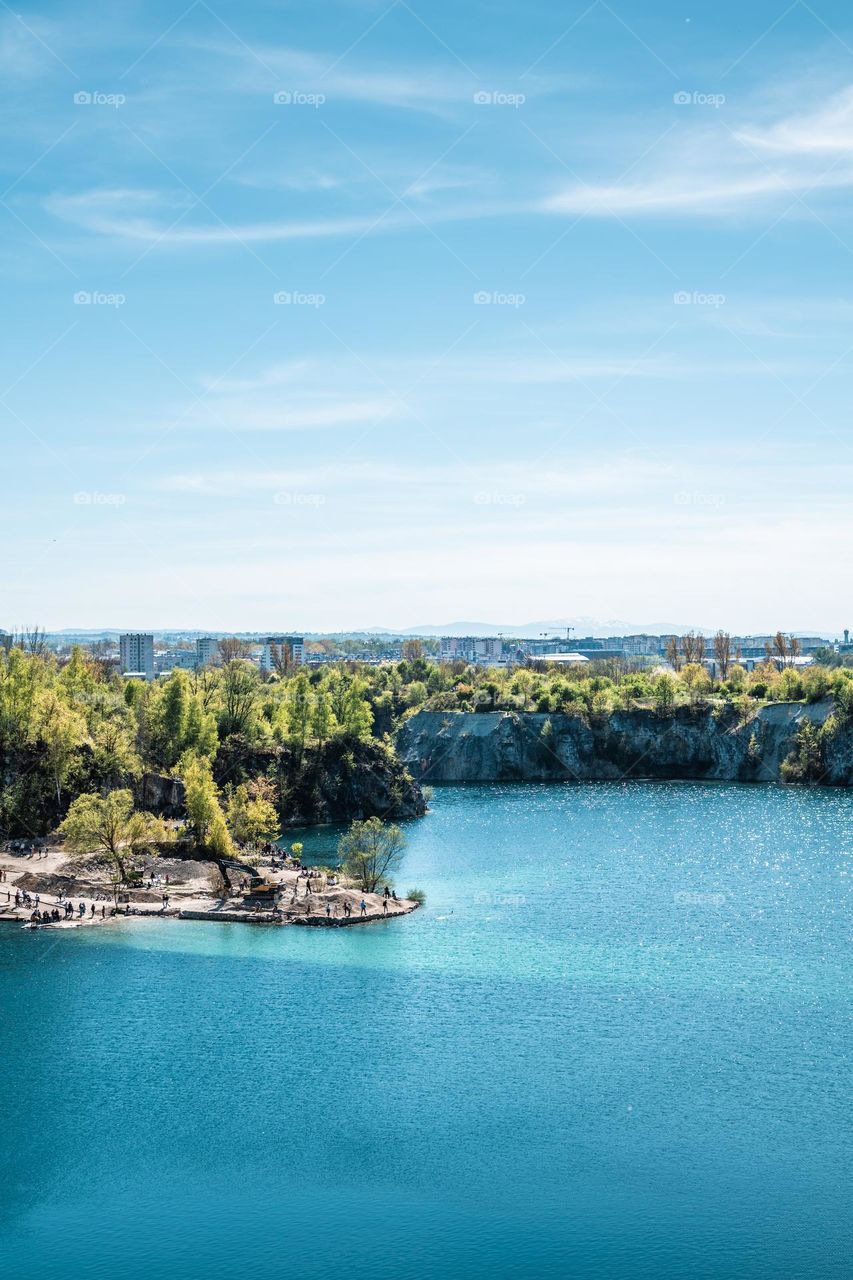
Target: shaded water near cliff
(614, 1044)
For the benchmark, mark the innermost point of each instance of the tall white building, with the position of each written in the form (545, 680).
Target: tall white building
(136, 653)
(206, 651)
(294, 646)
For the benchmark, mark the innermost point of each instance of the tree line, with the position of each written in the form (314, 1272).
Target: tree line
(74, 728)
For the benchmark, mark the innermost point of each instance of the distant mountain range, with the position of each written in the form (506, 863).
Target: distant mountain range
(580, 626)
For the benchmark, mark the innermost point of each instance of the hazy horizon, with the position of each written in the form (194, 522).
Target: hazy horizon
(581, 627)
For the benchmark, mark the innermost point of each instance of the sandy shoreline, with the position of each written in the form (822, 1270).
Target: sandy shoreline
(285, 896)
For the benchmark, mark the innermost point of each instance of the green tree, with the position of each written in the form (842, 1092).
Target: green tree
(107, 831)
(201, 734)
(723, 653)
(522, 686)
(299, 711)
(370, 852)
(252, 817)
(62, 732)
(238, 688)
(806, 762)
(112, 732)
(696, 681)
(174, 716)
(205, 819)
(663, 693)
(21, 677)
(357, 718)
(492, 689)
(323, 724)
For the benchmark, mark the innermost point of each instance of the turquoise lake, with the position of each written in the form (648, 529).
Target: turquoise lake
(614, 1044)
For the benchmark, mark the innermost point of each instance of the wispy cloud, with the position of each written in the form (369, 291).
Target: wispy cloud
(825, 131)
(236, 414)
(716, 169)
(123, 213)
(438, 87)
(709, 170)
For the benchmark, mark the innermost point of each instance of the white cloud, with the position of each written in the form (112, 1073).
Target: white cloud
(716, 170)
(349, 477)
(30, 47)
(436, 88)
(127, 213)
(679, 193)
(277, 375)
(239, 415)
(824, 131)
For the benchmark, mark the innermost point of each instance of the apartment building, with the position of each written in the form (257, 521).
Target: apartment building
(274, 646)
(136, 654)
(206, 651)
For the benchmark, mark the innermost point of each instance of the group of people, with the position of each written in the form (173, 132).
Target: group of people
(53, 915)
(64, 909)
(23, 846)
(389, 896)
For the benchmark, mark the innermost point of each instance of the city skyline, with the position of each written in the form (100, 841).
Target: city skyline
(367, 314)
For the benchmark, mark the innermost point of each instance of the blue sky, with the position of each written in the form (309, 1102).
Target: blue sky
(329, 315)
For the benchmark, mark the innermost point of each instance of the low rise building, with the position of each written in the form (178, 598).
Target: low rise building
(479, 650)
(564, 659)
(172, 659)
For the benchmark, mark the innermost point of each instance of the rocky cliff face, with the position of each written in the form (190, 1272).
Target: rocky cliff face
(691, 743)
(343, 781)
(161, 795)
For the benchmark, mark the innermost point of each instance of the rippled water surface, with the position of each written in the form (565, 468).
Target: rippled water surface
(615, 1044)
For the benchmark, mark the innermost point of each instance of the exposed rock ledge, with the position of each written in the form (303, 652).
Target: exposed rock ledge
(692, 743)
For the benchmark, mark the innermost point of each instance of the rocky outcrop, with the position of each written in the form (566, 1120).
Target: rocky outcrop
(697, 743)
(344, 780)
(160, 795)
